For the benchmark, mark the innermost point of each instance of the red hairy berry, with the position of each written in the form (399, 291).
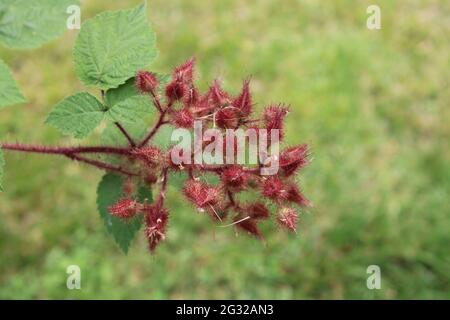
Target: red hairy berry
(287, 218)
(227, 118)
(146, 82)
(234, 177)
(191, 97)
(201, 195)
(257, 211)
(182, 118)
(156, 219)
(248, 225)
(185, 72)
(274, 189)
(150, 155)
(217, 95)
(175, 90)
(294, 195)
(293, 158)
(274, 117)
(124, 208)
(243, 102)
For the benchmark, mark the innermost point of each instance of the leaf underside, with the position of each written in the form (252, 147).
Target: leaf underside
(112, 46)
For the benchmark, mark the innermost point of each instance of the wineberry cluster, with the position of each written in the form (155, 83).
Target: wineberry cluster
(179, 104)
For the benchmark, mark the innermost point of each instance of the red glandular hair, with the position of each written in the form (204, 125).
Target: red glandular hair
(156, 219)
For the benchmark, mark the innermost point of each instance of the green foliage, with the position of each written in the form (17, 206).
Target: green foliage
(9, 92)
(77, 115)
(128, 90)
(2, 164)
(131, 110)
(26, 25)
(109, 191)
(122, 93)
(112, 46)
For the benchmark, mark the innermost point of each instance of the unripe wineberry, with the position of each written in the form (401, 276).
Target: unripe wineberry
(146, 82)
(287, 218)
(124, 208)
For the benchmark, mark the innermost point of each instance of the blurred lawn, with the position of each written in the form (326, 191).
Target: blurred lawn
(374, 105)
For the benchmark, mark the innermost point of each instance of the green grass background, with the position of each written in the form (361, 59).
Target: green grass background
(373, 105)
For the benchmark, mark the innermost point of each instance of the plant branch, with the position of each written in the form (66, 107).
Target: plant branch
(64, 150)
(154, 129)
(100, 164)
(125, 133)
(156, 101)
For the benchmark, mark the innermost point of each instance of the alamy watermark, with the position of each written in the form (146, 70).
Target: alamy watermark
(211, 147)
(74, 278)
(374, 280)
(374, 19)
(74, 20)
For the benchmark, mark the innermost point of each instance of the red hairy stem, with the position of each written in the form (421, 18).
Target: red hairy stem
(219, 168)
(125, 133)
(162, 193)
(119, 126)
(64, 150)
(231, 198)
(156, 101)
(154, 129)
(100, 164)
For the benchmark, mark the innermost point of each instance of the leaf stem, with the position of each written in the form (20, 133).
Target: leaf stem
(154, 129)
(125, 133)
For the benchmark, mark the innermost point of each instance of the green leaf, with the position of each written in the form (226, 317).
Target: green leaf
(112, 46)
(131, 110)
(77, 115)
(122, 93)
(9, 92)
(163, 79)
(108, 193)
(128, 90)
(2, 164)
(24, 25)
